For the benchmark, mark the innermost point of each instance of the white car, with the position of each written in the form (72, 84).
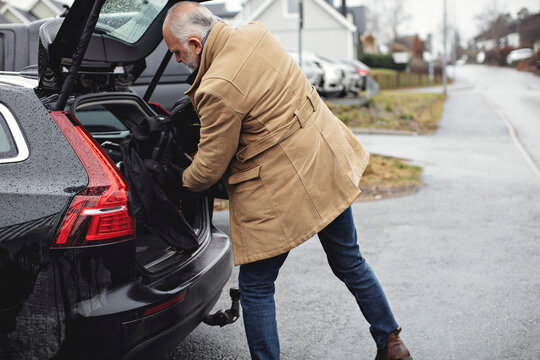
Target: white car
(518, 54)
(352, 81)
(362, 70)
(313, 72)
(334, 75)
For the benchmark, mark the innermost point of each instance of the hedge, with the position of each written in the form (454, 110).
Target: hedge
(381, 61)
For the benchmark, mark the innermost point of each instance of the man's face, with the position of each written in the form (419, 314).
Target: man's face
(186, 53)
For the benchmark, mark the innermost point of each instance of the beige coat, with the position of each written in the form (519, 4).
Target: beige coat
(289, 165)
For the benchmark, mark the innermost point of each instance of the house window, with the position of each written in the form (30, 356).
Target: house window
(42, 11)
(291, 7)
(11, 17)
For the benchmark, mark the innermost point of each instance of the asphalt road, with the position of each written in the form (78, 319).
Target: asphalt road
(459, 261)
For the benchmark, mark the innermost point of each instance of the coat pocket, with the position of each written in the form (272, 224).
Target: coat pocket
(245, 175)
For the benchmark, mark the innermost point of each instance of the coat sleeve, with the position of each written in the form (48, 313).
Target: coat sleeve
(220, 132)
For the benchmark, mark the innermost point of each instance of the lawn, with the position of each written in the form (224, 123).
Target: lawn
(388, 177)
(394, 110)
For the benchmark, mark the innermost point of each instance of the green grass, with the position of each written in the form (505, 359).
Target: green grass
(393, 110)
(389, 171)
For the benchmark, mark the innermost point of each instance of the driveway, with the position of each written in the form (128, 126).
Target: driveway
(460, 260)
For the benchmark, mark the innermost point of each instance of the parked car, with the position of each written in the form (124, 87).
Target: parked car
(80, 278)
(333, 79)
(351, 79)
(518, 54)
(361, 69)
(313, 71)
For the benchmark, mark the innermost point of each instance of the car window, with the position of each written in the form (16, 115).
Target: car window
(2, 52)
(115, 115)
(6, 141)
(128, 20)
(99, 118)
(13, 147)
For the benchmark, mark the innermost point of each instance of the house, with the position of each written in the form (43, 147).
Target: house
(529, 31)
(10, 14)
(522, 32)
(39, 9)
(358, 17)
(325, 31)
(221, 10)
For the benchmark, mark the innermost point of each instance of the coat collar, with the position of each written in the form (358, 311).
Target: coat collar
(214, 44)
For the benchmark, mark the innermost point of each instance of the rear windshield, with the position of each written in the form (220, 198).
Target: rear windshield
(110, 116)
(128, 20)
(100, 118)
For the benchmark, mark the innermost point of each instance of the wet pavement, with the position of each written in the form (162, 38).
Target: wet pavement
(459, 260)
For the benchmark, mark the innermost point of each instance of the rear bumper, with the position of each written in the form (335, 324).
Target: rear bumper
(139, 321)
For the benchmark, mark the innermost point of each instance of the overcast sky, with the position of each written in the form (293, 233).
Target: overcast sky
(426, 15)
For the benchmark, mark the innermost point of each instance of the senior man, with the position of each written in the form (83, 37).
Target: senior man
(291, 168)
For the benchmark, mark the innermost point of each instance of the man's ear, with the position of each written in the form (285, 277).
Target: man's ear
(195, 43)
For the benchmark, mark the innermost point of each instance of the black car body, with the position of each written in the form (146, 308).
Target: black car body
(78, 278)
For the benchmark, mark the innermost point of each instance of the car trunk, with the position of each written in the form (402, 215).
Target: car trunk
(110, 117)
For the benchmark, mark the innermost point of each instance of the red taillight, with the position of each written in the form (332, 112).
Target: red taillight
(362, 72)
(101, 212)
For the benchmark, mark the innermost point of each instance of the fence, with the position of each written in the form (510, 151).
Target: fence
(398, 79)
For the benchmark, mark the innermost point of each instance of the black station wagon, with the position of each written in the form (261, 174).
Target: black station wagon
(80, 278)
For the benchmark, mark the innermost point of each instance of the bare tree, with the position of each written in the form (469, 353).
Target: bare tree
(386, 18)
(492, 21)
(397, 16)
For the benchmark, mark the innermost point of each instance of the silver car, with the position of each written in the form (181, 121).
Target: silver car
(352, 81)
(313, 71)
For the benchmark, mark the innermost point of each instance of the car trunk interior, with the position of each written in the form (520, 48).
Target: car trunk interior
(109, 117)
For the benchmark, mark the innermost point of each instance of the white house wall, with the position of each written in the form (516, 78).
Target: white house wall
(322, 33)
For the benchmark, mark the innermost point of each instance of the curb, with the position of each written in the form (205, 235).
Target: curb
(372, 131)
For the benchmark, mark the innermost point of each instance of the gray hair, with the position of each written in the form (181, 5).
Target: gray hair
(196, 20)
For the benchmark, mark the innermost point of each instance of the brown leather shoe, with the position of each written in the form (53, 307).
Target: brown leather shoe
(395, 349)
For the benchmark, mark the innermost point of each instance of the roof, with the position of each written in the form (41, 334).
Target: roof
(359, 17)
(220, 10)
(323, 4)
(25, 14)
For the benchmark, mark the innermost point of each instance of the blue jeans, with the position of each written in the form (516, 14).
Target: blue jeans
(256, 282)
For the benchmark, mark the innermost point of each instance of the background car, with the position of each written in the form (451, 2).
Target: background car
(333, 79)
(313, 72)
(351, 79)
(361, 69)
(518, 54)
(80, 279)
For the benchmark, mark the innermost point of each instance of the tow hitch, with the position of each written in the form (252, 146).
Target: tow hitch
(225, 317)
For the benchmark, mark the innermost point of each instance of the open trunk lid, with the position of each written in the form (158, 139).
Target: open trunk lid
(126, 32)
